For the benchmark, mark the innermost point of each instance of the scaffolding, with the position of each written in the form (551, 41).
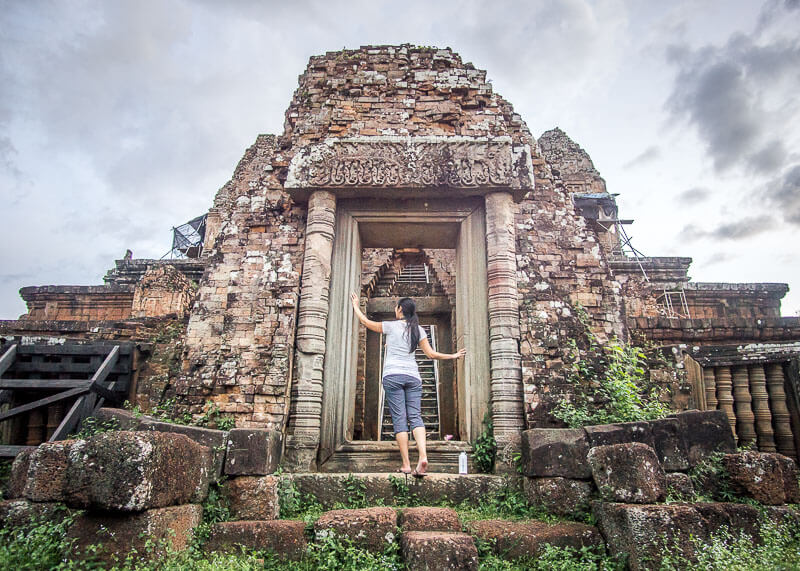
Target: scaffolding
(187, 239)
(602, 209)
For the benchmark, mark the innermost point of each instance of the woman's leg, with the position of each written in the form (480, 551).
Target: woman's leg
(413, 395)
(395, 398)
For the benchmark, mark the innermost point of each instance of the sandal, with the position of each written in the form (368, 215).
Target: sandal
(406, 472)
(419, 475)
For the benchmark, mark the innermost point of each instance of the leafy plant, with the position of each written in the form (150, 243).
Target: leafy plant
(612, 379)
(485, 448)
(403, 496)
(356, 491)
(92, 426)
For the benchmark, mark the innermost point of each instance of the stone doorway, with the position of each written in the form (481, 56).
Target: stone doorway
(413, 226)
(428, 277)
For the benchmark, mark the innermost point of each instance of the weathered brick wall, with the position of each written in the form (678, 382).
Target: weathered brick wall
(163, 290)
(78, 303)
(734, 300)
(241, 331)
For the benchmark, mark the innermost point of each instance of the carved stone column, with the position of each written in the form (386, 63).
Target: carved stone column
(305, 412)
(745, 421)
(711, 388)
(758, 389)
(725, 396)
(780, 412)
(505, 365)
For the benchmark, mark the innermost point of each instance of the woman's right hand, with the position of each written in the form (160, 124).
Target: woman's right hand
(459, 354)
(354, 301)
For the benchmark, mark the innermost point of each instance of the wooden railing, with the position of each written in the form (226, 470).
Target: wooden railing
(87, 395)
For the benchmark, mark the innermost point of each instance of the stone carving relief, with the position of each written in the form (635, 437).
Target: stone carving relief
(419, 162)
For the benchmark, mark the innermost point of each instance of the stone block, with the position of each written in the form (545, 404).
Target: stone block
(735, 517)
(756, 475)
(150, 532)
(514, 539)
(252, 497)
(16, 513)
(252, 452)
(135, 471)
(705, 432)
(680, 485)
(619, 433)
(15, 485)
(640, 532)
(628, 473)
(429, 519)
(370, 528)
(560, 496)
(439, 551)
(548, 452)
(47, 472)
(285, 538)
(330, 489)
(669, 444)
(215, 440)
(790, 476)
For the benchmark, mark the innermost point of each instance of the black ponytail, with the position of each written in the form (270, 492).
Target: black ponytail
(409, 309)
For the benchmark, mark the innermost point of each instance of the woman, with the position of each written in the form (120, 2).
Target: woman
(401, 381)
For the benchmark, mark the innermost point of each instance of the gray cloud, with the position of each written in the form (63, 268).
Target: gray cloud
(718, 258)
(693, 196)
(784, 194)
(738, 230)
(739, 96)
(647, 156)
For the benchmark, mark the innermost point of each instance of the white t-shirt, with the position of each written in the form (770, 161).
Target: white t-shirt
(397, 359)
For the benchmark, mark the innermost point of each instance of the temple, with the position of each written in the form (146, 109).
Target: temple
(400, 172)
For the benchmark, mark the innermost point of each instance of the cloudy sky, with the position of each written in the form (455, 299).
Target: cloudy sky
(121, 119)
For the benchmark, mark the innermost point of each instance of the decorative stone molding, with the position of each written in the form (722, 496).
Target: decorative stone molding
(360, 164)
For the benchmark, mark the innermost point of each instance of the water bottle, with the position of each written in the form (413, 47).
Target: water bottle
(462, 463)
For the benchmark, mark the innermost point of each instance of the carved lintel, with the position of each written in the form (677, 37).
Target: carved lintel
(472, 164)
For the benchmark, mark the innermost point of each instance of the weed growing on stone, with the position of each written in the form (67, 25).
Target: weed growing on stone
(610, 382)
(356, 491)
(42, 544)
(164, 411)
(92, 426)
(485, 448)
(551, 558)
(295, 505)
(5, 474)
(509, 503)
(402, 494)
(779, 549)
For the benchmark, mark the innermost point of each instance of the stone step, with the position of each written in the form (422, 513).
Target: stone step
(513, 539)
(330, 489)
(438, 550)
(286, 538)
(429, 519)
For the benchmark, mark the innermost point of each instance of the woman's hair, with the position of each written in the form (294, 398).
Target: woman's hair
(409, 309)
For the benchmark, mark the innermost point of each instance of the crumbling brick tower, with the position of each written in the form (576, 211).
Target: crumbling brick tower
(391, 148)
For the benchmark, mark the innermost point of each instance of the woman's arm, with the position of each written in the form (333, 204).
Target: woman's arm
(375, 326)
(431, 354)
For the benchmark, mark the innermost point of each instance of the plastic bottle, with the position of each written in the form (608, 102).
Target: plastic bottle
(462, 463)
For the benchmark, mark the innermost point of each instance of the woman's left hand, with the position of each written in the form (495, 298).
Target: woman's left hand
(460, 353)
(354, 300)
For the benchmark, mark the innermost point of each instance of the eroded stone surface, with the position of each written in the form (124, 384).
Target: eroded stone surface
(628, 473)
(285, 538)
(669, 444)
(135, 471)
(560, 496)
(118, 534)
(252, 452)
(439, 551)
(252, 497)
(757, 475)
(47, 473)
(680, 485)
(15, 485)
(21, 512)
(370, 528)
(429, 519)
(705, 432)
(513, 539)
(548, 452)
(619, 433)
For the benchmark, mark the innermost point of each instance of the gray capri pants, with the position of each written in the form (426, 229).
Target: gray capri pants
(404, 395)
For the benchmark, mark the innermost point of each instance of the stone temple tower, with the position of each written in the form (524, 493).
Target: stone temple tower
(401, 172)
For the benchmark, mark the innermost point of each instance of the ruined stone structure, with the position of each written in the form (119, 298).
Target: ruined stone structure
(394, 157)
